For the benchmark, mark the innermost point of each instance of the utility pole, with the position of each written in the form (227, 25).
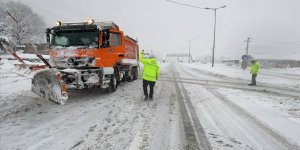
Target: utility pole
(248, 41)
(190, 49)
(215, 12)
(214, 42)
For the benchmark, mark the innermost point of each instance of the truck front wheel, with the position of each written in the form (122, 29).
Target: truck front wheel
(112, 84)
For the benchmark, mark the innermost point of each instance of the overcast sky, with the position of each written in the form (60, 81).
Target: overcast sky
(273, 25)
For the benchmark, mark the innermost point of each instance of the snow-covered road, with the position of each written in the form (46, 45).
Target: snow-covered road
(237, 116)
(193, 108)
(91, 119)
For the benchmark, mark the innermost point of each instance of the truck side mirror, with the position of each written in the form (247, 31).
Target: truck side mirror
(105, 38)
(48, 36)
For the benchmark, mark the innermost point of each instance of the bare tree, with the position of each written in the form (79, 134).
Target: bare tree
(2, 19)
(21, 24)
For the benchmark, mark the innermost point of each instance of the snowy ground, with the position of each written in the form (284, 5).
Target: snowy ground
(236, 116)
(195, 107)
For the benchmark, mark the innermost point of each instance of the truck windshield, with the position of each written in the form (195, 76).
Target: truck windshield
(86, 39)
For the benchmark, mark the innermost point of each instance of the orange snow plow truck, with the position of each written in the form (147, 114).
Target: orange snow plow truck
(86, 55)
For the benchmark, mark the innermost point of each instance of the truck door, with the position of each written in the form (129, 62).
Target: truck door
(111, 48)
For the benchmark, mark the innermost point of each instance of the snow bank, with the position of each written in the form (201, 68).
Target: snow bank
(277, 76)
(5, 64)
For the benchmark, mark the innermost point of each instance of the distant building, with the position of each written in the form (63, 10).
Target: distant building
(231, 62)
(284, 60)
(178, 58)
(277, 63)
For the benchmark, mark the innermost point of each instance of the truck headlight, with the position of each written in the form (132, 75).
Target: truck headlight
(58, 23)
(90, 21)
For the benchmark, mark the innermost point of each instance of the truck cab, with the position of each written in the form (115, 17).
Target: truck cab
(90, 54)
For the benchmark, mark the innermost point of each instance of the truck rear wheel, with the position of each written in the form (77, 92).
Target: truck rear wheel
(135, 73)
(112, 84)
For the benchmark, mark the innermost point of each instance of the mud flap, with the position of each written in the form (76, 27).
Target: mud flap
(47, 83)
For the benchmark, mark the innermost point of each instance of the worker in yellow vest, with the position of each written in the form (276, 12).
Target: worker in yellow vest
(254, 71)
(150, 74)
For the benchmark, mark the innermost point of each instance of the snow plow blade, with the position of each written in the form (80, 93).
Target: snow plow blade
(47, 83)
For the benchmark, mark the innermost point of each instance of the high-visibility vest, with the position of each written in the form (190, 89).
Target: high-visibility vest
(255, 68)
(151, 68)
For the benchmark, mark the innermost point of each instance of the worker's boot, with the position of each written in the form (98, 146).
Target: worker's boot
(146, 97)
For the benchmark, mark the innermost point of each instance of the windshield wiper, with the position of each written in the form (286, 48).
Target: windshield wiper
(83, 47)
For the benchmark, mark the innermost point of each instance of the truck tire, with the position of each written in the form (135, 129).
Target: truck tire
(112, 84)
(135, 73)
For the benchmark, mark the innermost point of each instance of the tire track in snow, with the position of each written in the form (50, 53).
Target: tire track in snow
(168, 130)
(142, 133)
(58, 120)
(240, 84)
(100, 121)
(233, 81)
(295, 77)
(243, 87)
(209, 87)
(194, 131)
(155, 131)
(127, 122)
(251, 118)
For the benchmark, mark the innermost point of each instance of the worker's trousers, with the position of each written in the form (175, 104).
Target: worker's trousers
(254, 79)
(145, 87)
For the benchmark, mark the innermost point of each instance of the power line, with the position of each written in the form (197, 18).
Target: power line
(278, 42)
(215, 22)
(184, 4)
(75, 8)
(273, 47)
(67, 16)
(69, 8)
(58, 5)
(43, 9)
(232, 48)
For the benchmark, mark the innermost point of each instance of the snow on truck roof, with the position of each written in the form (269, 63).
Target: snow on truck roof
(99, 25)
(107, 25)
